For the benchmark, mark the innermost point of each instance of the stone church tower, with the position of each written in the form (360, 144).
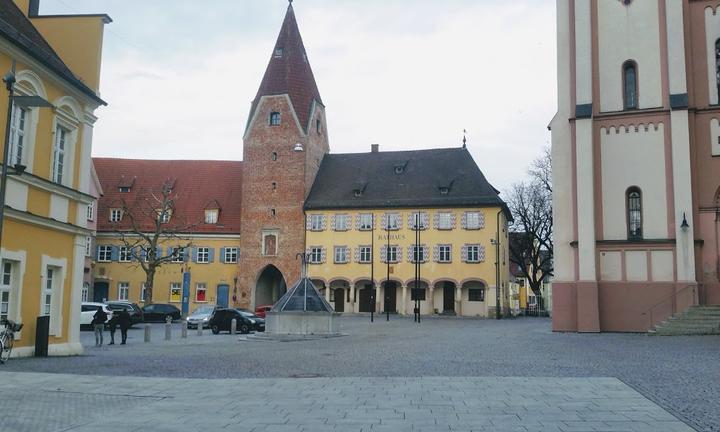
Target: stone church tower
(284, 143)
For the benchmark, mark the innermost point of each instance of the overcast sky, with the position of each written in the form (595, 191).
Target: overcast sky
(179, 75)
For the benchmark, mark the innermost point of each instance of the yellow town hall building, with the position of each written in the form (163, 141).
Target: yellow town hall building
(45, 237)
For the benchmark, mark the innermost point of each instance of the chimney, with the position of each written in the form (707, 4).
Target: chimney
(34, 8)
(374, 148)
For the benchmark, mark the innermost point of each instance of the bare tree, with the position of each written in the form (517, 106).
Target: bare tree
(148, 223)
(531, 205)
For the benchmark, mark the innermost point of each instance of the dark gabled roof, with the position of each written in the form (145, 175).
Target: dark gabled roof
(17, 28)
(401, 179)
(200, 185)
(290, 73)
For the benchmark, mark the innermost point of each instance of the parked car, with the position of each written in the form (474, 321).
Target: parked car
(158, 312)
(261, 310)
(221, 319)
(136, 314)
(259, 325)
(87, 312)
(202, 315)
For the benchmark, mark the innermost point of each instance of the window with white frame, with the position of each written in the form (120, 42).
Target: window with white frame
(17, 135)
(231, 255)
(203, 255)
(418, 220)
(123, 290)
(164, 215)
(88, 246)
(91, 211)
(175, 292)
(211, 216)
(473, 220)
(391, 254)
(445, 221)
(445, 253)
(116, 215)
(342, 222)
(365, 222)
(476, 294)
(85, 293)
(59, 149)
(315, 255)
(341, 255)
(473, 253)
(143, 291)
(125, 254)
(316, 222)
(365, 254)
(51, 275)
(392, 221)
(5, 289)
(104, 253)
(419, 253)
(201, 292)
(178, 255)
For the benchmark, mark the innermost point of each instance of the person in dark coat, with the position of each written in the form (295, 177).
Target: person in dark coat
(112, 326)
(98, 323)
(124, 323)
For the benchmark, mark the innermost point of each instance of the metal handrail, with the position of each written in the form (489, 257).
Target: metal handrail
(672, 297)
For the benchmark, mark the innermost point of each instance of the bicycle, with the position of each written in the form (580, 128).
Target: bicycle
(7, 338)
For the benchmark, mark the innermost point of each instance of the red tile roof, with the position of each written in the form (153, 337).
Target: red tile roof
(199, 185)
(290, 73)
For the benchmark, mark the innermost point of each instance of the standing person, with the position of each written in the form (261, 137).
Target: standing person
(98, 323)
(124, 323)
(112, 325)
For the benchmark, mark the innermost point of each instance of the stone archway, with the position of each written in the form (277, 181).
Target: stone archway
(270, 286)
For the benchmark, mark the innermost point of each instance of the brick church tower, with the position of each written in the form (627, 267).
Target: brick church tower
(284, 142)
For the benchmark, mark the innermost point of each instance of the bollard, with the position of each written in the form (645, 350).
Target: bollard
(200, 328)
(184, 330)
(233, 326)
(147, 333)
(168, 331)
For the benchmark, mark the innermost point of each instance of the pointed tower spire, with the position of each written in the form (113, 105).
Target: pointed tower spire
(289, 71)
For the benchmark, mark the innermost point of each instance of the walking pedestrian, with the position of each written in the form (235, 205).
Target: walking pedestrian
(112, 326)
(98, 323)
(124, 323)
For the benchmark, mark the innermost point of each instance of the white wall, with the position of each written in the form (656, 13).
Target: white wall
(636, 266)
(629, 32)
(631, 158)
(611, 266)
(715, 137)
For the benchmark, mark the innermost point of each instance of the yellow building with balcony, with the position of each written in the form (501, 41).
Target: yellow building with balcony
(366, 212)
(45, 234)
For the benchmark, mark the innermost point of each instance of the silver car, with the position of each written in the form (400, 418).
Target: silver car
(201, 315)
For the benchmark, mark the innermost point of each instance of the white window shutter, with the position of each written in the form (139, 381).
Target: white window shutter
(308, 222)
(463, 220)
(357, 254)
(436, 220)
(481, 220)
(323, 222)
(481, 253)
(383, 222)
(323, 255)
(464, 253)
(425, 217)
(383, 254)
(333, 222)
(436, 253)
(453, 220)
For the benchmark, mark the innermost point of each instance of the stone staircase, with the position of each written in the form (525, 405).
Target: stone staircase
(697, 320)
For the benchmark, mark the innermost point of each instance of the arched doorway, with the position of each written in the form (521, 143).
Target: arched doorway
(390, 289)
(364, 295)
(270, 286)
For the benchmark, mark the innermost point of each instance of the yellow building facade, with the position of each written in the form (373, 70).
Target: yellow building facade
(209, 265)
(45, 234)
(457, 256)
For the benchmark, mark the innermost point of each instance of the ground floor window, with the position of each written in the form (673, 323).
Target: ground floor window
(123, 290)
(201, 292)
(176, 292)
(476, 294)
(5, 288)
(85, 293)
(143, 291)
(51, 274)
(417, 294)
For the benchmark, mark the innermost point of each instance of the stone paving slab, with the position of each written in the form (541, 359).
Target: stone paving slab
(33, 402)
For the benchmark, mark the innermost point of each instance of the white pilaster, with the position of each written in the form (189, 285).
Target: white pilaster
(682, 191)
(585, 199)
(676, 46)
(76, 284)
(583, 52)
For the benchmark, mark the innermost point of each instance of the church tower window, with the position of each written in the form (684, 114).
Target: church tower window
(273, 156)
(634, 209)
(717, 67)
(630, 87)
(275, 119)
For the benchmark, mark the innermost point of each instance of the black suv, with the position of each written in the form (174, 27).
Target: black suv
(221, 319)
(136, 314)
(159, 312)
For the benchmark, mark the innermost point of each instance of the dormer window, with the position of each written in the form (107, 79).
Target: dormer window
(124, 189)
(275, 118)
(400, 168)
(211, 216)
(358, 193)
(164, 216)
(444, 190)
(278, 52)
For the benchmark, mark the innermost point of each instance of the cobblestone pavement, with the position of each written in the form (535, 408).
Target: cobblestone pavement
(53, 402)
(681, 374)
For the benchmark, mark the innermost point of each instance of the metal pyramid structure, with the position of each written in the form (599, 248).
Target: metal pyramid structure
(302, 297)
